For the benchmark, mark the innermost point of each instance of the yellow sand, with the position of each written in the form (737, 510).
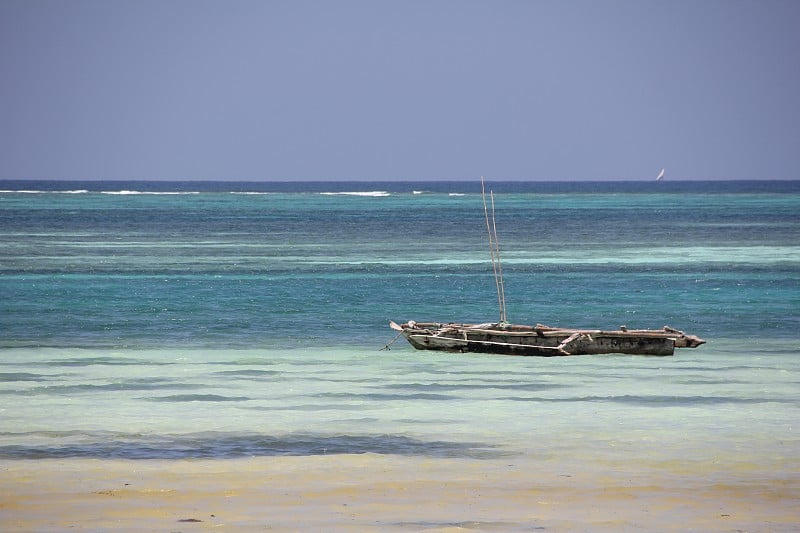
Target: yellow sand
(388, 493)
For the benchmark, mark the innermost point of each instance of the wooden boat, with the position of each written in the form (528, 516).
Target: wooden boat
(544, 341)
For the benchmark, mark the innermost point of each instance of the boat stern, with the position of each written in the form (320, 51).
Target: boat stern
(688, 341)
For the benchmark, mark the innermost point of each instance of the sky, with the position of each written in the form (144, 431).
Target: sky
(399, 90)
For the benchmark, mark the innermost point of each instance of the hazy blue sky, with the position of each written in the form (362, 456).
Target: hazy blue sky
(273, 89)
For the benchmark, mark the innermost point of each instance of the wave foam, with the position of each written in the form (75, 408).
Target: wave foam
(358, 193)
(126, 192)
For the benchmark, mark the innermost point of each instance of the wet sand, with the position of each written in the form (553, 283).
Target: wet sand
(389, 493)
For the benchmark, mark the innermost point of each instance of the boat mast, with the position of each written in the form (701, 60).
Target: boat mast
(500, 283)
(494, 252)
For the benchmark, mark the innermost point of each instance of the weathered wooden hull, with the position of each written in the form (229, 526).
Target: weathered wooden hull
(542, 341)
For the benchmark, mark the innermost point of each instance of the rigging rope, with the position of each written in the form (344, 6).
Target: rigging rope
(494, 252)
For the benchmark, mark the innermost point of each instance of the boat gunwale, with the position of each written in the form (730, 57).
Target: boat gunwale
(557, 350)
(437, 329)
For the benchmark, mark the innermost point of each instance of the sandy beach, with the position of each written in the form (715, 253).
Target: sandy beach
(373, 492)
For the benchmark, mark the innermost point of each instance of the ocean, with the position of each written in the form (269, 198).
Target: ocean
(178, 321)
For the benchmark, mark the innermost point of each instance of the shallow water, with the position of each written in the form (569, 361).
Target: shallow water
(230, 403)
(219, 325)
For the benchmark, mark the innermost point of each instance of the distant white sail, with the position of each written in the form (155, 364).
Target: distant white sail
(660, 176)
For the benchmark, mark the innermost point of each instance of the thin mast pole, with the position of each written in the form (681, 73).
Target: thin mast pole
(493, 251)
(500, 284)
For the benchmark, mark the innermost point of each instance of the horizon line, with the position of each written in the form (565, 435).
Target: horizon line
(389, 180)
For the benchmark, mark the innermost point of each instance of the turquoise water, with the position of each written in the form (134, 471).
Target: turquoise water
(153, 320)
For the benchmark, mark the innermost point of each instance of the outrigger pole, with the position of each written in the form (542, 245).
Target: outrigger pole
(494, 252)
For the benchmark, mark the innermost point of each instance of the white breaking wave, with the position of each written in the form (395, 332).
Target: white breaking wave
(124, 192)
(456, 194)
(357, 193)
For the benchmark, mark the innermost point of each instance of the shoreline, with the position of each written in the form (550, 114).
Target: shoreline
(371, 492)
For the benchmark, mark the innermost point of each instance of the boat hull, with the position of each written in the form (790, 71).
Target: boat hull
(542, 341)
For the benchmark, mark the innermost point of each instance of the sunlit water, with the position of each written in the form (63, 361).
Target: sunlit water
(214, 324)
